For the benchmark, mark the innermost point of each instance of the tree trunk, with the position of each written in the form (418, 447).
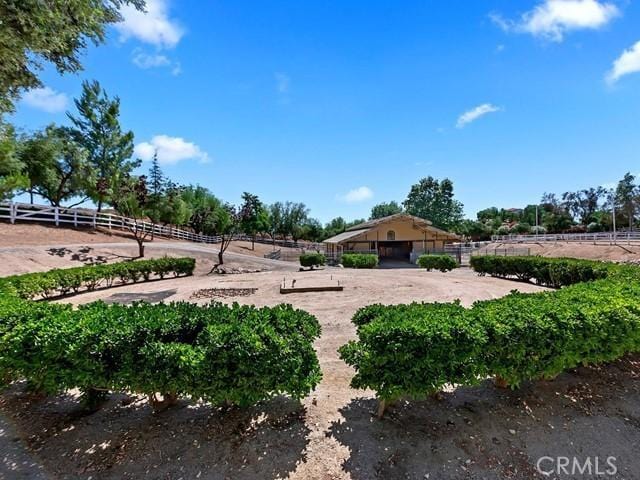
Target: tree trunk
(100, 205)
(140, 248)
(220, 260)
(500, 382)
(253, 242)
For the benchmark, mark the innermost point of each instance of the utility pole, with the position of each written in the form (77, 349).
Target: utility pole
(613, 208)
(613, 214)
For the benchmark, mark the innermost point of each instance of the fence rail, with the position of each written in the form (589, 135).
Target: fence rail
(88, 218)
(595, 238)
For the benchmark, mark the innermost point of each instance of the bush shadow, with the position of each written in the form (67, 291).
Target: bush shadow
(125, 439)
(487, 432)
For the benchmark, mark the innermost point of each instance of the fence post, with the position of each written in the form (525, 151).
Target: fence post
(75, 218)
(56, 214)
(13, 212)
(95, 220)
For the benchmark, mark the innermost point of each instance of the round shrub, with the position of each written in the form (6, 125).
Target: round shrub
(311, 260)
(444, 263)
(359, 260)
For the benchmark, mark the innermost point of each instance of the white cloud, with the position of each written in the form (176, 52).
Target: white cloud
(152, 26)
(628, 62)
(475, 113)
(156, 60)
(283, 82)
(357, 195)
(171, 150)
(552, 19)
(46, 99)
(145, 60)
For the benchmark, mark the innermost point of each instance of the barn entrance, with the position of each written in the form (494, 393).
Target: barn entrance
(392, 250)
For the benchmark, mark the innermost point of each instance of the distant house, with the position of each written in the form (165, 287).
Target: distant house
(400, 237)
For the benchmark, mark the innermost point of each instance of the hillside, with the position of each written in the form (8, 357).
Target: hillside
(616, 253)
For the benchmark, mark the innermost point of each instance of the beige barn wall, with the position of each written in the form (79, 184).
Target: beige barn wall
(404, 232)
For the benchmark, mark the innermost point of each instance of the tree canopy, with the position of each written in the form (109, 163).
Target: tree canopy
(35, 33)
(97, 128)
(385, 209)
(433, 200)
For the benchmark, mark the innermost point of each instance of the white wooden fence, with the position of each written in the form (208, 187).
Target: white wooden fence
(83, 217)
(618, 238)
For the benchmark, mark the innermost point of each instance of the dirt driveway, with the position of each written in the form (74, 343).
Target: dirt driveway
(479, 432)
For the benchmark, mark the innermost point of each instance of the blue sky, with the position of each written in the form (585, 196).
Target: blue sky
(342, 105)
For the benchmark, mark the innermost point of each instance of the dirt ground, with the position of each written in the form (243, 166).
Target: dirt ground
(26, 234)
(471, 433)
(616, 253)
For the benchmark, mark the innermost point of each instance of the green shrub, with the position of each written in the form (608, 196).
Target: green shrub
(416, 349)
(359, 260)
(72, 280)
(312, 259)
(444, 263)
(218, 353)
(550, 272)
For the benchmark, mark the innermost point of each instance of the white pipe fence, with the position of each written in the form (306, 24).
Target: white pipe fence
(611, 238)
(83, 217)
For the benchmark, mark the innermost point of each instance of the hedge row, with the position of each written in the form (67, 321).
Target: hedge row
(218, 353)
(359, 260)
(312, 259)
(415, 350)
(73, 280)
(444, 263)
(550, 272)
(221, 354)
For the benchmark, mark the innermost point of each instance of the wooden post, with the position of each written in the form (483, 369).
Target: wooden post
(56, 214)
(75, 218)
(13, 212)
(95, 220)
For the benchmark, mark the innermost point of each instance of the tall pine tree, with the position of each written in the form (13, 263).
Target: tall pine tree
(97, 128)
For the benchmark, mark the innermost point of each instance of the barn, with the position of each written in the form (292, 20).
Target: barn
(396, 237)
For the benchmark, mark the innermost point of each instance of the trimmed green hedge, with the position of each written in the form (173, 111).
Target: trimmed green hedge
(312, 259)
(218, 353)
(72, 280)
(359, 260)
(221, 354)
(415, 350)
(444, 263)
(550, 272)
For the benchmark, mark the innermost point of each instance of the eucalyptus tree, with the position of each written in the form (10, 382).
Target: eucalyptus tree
(56, 165)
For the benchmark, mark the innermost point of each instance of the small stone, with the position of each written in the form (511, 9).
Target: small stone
(512, 432)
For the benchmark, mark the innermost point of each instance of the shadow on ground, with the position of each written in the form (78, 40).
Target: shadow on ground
(130, 297)
(395, 264)
(126, 440)
(85, 255)
(489, 433)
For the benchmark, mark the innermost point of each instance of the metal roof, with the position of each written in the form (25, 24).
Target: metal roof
(341, 237)
(398, 216)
